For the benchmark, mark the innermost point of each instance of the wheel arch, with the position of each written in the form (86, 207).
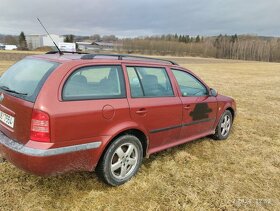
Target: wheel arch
(222, 107)
(231, 111)
(136, 132)
(129, 131)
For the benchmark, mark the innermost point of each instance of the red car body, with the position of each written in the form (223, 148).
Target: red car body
(80, 131)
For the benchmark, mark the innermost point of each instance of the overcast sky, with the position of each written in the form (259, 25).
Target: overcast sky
(130, 18)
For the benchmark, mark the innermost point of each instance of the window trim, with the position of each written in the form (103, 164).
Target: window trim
(140, 82)
(195, 77)
(142, 88)
(121, 77)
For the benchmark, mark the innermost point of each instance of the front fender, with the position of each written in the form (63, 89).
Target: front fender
(222, 107)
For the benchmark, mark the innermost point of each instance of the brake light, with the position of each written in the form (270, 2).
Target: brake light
(40, 126)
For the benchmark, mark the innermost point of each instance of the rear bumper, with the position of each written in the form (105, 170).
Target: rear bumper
(45, 162)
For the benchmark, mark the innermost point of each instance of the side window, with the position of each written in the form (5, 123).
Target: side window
(149, 82)
(189, 85)
(95, 82)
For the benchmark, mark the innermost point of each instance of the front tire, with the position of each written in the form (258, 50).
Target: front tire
(224, 126)
(121, 161)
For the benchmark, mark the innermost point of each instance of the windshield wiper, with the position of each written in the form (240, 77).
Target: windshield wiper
(7, 89)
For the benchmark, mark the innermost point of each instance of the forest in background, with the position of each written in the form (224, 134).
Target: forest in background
(242, 47)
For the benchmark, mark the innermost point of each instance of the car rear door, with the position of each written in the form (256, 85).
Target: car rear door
(154, 105)
(199, 108)
(93, 102)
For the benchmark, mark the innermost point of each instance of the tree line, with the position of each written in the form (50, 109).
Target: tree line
(244, 47)
(19, 41)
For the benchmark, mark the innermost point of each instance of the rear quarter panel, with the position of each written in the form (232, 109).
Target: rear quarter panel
(80, 121)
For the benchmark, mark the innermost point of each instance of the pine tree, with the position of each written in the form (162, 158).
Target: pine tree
(66, 39)
(69, 38)
(22, 41)
(218, 41)
(188, 38)
(234, 38)
(180, 38)
(197, 39)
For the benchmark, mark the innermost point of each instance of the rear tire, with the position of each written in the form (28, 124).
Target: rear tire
(121, 161)
(224, 126)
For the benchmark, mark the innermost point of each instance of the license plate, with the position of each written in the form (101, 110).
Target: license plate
(7, 119)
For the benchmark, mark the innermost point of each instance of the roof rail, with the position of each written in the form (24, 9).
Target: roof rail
(123, 56)
(71, 52)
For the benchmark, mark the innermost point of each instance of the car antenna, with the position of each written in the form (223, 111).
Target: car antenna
(59, 51)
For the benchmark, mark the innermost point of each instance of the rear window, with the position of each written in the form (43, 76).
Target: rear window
(26, 78)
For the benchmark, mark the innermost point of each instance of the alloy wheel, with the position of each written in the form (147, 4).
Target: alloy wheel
(124, 161)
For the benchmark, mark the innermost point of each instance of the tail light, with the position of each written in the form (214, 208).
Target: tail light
(40, 126)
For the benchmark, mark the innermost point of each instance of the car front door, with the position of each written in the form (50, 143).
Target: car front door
(199, 108)
(154, 105)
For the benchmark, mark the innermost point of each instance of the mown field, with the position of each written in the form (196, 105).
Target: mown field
(242, 172)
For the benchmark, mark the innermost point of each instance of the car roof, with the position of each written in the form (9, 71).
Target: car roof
(106, 58)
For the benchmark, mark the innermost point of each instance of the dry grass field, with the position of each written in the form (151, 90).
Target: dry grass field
(242, 172)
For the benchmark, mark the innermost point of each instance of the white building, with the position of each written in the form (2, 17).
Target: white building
(35, 41)
(56, 38)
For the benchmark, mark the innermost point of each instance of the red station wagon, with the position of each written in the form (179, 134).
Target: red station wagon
(86, 112)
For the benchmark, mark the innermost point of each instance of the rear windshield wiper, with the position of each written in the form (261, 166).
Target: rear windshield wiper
(7, 89)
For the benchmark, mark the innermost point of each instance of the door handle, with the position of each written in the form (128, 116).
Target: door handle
(141, 111)
(187, 107)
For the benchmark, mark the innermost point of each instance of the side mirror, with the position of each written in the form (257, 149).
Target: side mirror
(213, 92)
